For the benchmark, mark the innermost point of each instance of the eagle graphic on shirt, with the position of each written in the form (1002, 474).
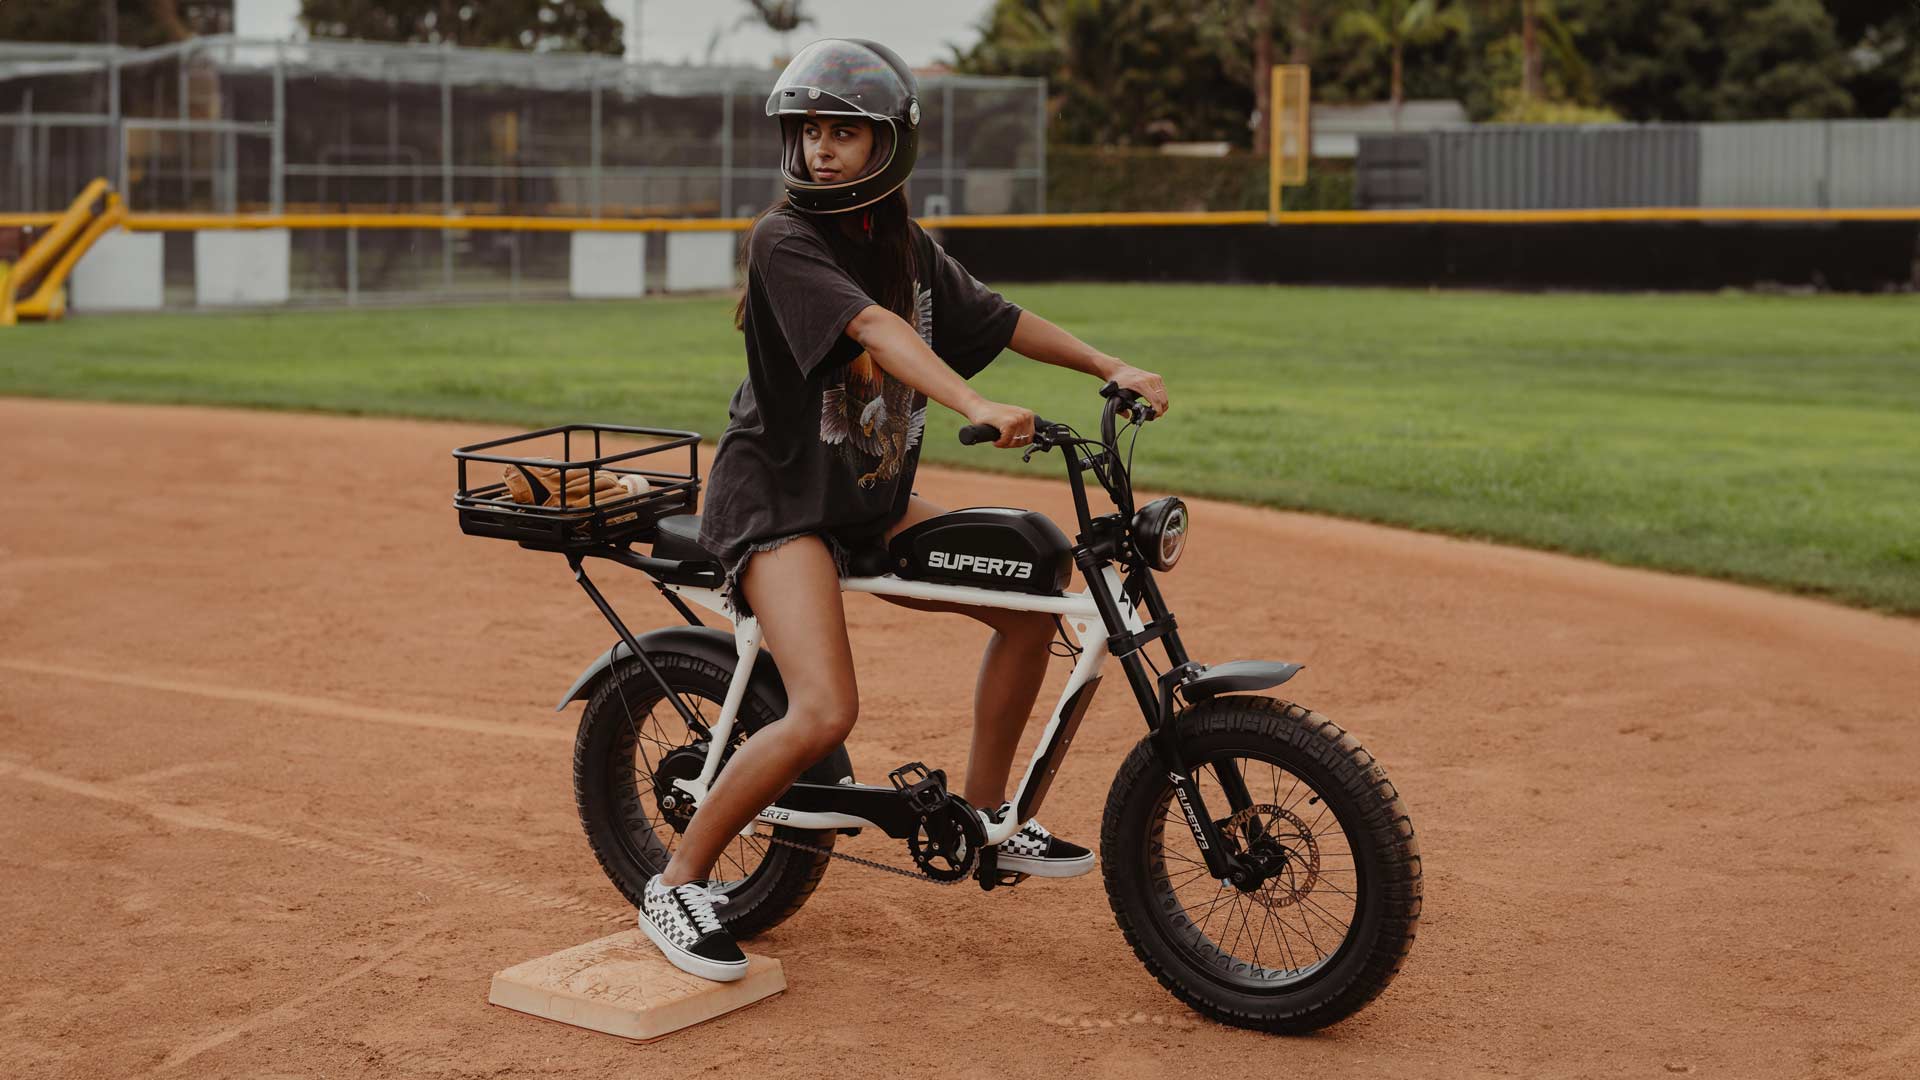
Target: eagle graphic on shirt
(875, 419)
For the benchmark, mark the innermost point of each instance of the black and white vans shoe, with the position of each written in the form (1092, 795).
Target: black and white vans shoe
(1034, 850)
(680, 920)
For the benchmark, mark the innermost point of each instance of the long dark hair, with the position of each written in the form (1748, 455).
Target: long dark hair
(883, 230)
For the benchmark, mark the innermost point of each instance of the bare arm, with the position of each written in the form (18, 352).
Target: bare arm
(1038, 339)
(897, 347)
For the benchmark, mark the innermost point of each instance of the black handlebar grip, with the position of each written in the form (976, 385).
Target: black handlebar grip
(979, 433)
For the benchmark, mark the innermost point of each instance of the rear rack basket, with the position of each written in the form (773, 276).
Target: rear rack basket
(487, 508)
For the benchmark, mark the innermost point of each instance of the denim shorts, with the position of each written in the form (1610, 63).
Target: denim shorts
(737, 597)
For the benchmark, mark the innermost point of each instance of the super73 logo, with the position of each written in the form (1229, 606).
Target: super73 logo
(1193, 819)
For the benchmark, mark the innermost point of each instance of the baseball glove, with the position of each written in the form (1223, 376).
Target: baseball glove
(538, 485)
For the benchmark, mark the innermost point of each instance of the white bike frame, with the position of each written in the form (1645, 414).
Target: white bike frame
(1076, 609)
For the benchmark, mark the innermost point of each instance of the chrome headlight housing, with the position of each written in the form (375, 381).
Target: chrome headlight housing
(1160, 532)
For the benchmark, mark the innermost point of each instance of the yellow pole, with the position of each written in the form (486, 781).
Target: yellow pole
(49, 301)
(1275, 106)
(1289, 101)
(48, 247)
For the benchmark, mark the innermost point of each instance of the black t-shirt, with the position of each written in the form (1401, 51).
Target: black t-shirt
(820, 438)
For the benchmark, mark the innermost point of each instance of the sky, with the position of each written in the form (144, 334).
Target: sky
(670, 31)
(675, 30)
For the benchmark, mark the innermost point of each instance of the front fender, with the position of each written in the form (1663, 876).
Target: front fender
(1238, 675)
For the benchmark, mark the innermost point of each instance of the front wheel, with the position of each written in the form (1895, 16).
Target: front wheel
(1326, 929)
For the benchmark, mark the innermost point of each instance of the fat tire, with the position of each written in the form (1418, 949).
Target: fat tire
(1379, 831)
(782, 881)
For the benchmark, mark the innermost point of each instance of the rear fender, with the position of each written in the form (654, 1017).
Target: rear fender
(717, 648)
(713, 646)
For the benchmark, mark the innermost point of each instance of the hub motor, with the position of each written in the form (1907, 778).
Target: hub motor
(1282, 851)
(676, 808)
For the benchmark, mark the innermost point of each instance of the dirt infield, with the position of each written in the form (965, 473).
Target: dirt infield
(282, 789)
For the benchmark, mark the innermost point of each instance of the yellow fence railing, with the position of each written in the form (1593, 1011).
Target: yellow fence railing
(191, 222)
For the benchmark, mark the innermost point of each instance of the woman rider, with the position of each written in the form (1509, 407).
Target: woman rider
(853, 319)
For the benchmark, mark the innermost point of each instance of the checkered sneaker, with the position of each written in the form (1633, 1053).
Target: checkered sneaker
(1034, 850)
(680, 920)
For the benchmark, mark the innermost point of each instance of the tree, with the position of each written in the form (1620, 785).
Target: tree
(137, 22)
(1656, 60)
(1303, 29)
(1784, 61)
(1530, 49)
(1262, 79)
(1121, 72)
(1394, 24)
(535, 25)
(782, 17)
(1882, 38)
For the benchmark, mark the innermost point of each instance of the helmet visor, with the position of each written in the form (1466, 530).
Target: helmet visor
(840, 78)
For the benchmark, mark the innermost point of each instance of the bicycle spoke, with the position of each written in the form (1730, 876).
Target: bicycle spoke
(1256, 928)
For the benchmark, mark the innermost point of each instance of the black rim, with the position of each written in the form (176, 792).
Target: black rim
(1290, 930)
(654, 730)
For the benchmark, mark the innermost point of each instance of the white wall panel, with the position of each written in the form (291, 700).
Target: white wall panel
(241, 267)
(701, 260)
(608, 266)
(123, 271)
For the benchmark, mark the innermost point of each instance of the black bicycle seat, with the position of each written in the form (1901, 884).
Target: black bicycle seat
(679, 539)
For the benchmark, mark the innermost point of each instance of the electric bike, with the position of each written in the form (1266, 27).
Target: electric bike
(1256, 857)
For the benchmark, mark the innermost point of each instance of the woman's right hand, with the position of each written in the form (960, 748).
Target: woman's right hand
(1014, 422)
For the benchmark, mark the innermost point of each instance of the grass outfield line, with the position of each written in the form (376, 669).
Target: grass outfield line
(1773, 440)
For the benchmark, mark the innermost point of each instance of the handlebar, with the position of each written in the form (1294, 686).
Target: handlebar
(987, 433)
(1119, 400)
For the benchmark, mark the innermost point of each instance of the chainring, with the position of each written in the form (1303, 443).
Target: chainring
(940, 848)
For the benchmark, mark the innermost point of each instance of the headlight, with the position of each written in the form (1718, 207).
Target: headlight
(1160, 532)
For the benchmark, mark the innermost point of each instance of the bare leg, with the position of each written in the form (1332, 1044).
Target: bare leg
(795, 592)
(1011, 671)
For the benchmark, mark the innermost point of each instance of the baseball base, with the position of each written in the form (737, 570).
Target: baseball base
(621, 985)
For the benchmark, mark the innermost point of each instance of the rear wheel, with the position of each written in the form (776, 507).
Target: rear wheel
(1326, 928)
(631, 741)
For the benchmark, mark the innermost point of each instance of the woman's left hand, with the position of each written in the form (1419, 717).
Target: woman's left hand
(1145, 383)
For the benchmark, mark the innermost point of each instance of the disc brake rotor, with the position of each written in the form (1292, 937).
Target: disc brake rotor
(1283, 846)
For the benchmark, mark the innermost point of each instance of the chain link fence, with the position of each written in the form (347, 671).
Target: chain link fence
(225, 125)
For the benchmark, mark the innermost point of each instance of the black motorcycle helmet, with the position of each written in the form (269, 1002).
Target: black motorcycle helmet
(848, 77)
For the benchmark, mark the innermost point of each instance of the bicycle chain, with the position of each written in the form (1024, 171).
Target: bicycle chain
(915, 875)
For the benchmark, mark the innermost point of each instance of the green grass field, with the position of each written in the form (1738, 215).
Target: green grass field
(1766, 439)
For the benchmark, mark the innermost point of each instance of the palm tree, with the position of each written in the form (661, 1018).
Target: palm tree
(1545, 41)
(782, 17)
(1395, 24)
(1083, 47)
(1305, 25)
(1262, 73)
(1529, 50)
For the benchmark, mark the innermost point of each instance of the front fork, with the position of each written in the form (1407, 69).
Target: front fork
(1156, 699)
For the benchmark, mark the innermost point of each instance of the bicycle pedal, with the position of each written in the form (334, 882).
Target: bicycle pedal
(1008, 878)
(924, 789)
